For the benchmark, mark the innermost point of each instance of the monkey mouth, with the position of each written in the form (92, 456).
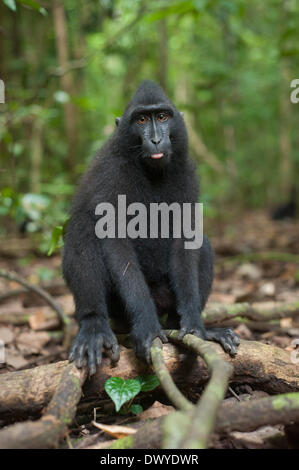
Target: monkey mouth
(156, 156)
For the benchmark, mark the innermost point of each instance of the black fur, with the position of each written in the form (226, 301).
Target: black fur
(140, 278)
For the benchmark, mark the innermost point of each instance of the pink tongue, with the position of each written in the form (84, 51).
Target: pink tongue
(157, 155)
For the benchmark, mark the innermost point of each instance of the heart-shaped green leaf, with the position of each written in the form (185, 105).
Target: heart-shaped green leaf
(120, 391)
(148, 382)
(136, 409)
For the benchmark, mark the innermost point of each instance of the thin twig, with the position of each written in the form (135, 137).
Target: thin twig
(199, 429)
(39, 291)
(12, 293)
(168, 385)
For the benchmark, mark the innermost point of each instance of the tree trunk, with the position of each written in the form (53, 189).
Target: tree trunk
(286, 164)
(60, 28)
(36, 155)
(163, 53)
(267, 367)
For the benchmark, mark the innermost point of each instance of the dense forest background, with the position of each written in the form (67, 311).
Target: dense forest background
(70, 67)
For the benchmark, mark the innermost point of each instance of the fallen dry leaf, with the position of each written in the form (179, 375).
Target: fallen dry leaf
(222, 298)
(243, 331)
(267, 289)
(6, 335)
(15, 359)
(256, 439)
(286, 322)
(115, 431)
(249, 271)
(37, 319)
(32, 342)
(281, 341)
(155, 411)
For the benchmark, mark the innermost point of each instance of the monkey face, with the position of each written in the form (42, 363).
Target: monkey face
(151, 125)
(152, 131)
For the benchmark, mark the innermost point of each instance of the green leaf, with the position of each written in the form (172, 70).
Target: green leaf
(34, 5)
(148, 382)
(10, 4)
(55, 238)
(120, 391)
(136, 409)
(180, 8)
(45, 274)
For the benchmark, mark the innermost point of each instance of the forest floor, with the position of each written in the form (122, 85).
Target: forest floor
(257, 260)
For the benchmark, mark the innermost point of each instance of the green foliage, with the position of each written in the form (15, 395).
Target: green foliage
(34, 5)
(228, 65)
(148, 382)
(136, 409)
(123, 391)
(56, 238)
(11, 4)
(37, 213)
(45, 274)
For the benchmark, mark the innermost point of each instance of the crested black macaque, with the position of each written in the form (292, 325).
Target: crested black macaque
(138, 279)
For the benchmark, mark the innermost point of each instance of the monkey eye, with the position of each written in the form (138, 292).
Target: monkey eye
(162, 117)
(142, 119)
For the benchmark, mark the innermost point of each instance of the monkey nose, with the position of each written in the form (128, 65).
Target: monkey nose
(156, 140)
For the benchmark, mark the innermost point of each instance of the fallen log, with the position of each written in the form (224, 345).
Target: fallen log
(213, 313)
(244, 416)
(269, 368)
(46, 432)
(258, 312)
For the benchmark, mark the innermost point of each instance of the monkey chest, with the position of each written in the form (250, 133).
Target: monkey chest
(153, 256)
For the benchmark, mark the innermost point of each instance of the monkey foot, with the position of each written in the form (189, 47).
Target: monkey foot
(226, 337)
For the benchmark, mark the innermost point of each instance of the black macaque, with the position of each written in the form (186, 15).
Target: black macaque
(138, 279)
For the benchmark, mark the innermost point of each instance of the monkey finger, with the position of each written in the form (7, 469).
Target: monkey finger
(115, 353)
(228, 345)
(233, 350)
(109, 340)
(80, 356)
(236, 340)
(182, 333)
(148, 358)
(143, 351)
(230, 337)
(91, 361)
(72, 354)
(98, 350)
(163, 337)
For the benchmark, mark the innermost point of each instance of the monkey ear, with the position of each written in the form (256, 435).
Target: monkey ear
(117, 120)
(181, 113)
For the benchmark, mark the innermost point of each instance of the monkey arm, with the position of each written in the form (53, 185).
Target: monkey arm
(124, 268)
(85, 278)
(191, 273)
(184, 278)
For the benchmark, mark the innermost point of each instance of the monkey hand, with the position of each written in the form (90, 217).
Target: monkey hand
(94, 334)
(143, 337)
